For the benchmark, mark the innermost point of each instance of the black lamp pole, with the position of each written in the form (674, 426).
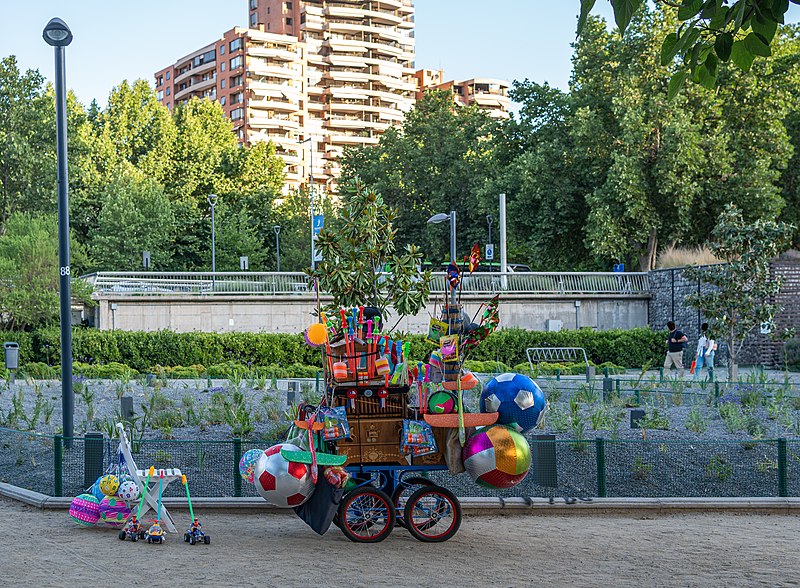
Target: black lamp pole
(58, 35)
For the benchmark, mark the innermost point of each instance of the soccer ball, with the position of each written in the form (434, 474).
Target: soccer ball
(497, 457)
(281, 482)
(517, 398)
(128, 491)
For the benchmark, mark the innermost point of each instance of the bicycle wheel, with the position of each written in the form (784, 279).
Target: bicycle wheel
(366, 515)
(402, 492)
(432, 514)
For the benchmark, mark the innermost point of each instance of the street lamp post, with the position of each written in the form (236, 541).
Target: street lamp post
(440, 218)
(277, 229)
(57, 34)
(311, 194)
(212, 201)
(490, 221)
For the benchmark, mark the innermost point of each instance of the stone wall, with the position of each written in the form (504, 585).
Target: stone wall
(669, 289)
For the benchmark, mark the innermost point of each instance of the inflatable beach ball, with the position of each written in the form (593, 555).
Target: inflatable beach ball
(281, 482)
(247, 465)
(114, 512)
(517, 398)
(95, 490)
(85, 510)
(108, 484)
(497, 457)
(128, 491)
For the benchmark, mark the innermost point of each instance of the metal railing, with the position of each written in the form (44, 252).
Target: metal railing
(262, 283)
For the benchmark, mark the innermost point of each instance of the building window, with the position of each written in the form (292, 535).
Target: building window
(169, 90)
(237, 114)
(222, 100)
(160, 80)
(267, 9)
(237, 98)
(236, 44)
(236, 62)
(222, 66)
(169, 105)
(288, 7)
(289, 21)
(167, 75)
(222, 83)
(160, 94)
(267, 26)
(236, 81)
(253, 4)
(253, 20)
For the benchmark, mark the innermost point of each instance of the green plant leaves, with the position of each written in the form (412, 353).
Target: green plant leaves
(757, 45)
(586, 8)
(675, 84)
(741, 55)
(689, 9)
(624, 11)
(723, 46)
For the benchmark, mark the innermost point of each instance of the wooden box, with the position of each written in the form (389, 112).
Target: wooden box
(374, 441)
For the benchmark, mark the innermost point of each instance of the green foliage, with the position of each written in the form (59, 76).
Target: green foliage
(718, 468)
(37, 370)
(742, 290)
(361, 265)
(655, 419)
(640, 469)
(708, 32)
(696, 422)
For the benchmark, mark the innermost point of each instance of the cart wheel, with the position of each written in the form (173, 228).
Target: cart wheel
(134, 538)
(366, 515)
(192, 540)
(432, 514)
(186, 537)
(405, 489)
(206, 539)
(122, 535)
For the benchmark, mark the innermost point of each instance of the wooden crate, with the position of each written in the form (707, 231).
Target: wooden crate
(374, 441)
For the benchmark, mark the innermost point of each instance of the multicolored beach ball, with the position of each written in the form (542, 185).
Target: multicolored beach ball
(108, 484)
(497, 457)
(517, 398)
(128, 491)
(247, 464)
(281, 482)
(85, 510)
(114, 512)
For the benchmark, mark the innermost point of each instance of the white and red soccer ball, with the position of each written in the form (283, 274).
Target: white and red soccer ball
(281, 482)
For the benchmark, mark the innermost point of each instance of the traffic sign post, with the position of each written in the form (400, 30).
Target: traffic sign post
(319, 224)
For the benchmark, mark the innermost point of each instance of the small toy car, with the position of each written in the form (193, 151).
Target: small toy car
(155, 534)
(133, 531)
(194, 534)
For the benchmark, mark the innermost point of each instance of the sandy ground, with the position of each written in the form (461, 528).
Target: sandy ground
(44, 548)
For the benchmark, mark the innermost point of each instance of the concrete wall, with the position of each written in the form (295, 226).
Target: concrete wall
(292, 314)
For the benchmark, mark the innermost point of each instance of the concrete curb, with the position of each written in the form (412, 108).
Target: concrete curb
(478, 505)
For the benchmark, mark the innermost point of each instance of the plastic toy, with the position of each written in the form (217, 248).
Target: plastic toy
(85, 510)
(132, 531)
(114, 512)
(194, 534)
(155, 534)
(497, 457)
(128, 491)
(281, 482)
(108, 484)
(247, 464)
(518, 400)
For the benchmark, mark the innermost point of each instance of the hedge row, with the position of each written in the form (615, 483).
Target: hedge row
(142, 350)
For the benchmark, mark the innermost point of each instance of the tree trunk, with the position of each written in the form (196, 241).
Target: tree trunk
(647, 261)
(733, 369)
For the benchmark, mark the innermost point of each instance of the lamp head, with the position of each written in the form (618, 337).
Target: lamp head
(439, 218)
(57, 33)
(212, 199)
(277, 229)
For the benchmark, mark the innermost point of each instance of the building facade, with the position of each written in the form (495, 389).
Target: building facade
(314, 77)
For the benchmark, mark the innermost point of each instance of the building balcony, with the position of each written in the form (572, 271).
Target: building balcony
(490, 99)
(199, 86)
(352, 140)
(203, 68)
(274, 90)
(273, 53)
(383, 17)
(262, 69)
(274, 105)
(258, 121)
(344, 12)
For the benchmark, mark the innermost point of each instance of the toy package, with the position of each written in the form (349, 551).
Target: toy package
(417, 438)
(335, 421)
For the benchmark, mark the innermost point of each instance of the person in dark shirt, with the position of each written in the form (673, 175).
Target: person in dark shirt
(675, 348)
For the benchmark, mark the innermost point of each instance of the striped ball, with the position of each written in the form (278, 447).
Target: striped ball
(497, 457)
(85, 510)
(114, 512)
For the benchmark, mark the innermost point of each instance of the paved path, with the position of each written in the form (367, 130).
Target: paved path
(40, 548)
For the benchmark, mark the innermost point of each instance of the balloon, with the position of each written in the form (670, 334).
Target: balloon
(316, 335)
(497, 457)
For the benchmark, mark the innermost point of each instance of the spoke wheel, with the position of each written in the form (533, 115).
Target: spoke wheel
(366, 515)
(432, 514)
(402, 493)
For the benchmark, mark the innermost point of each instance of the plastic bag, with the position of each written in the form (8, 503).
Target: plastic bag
(335, 421)
(417, 438)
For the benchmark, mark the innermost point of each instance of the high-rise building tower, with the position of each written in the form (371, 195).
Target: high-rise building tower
(316, 76)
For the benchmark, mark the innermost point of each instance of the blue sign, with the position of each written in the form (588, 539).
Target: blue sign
(619, 267)
(319, 223)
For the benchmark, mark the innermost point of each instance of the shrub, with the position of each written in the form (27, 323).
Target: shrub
(40, 371)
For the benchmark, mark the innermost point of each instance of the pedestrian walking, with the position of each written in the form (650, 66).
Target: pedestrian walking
(676, 343)
(706, 346)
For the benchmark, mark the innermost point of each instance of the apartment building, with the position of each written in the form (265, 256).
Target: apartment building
(488, 94)
(314, 77)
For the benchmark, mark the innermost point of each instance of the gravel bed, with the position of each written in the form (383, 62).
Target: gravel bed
(674, 462)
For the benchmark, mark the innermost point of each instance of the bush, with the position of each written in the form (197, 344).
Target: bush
(109, 371)
(38, 370)
(791, 353)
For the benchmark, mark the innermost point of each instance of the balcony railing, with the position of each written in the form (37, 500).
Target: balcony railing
(112, 284)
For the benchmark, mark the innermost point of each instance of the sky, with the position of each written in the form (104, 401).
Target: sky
(117, 40)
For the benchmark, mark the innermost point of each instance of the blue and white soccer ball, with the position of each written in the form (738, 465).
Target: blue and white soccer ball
(520, 402)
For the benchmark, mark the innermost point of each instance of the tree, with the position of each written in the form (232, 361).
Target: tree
(29, 279)
(709, 32)
(739, 294)
(136, 216)
(361, 266)
(440, 160)
(237, 236)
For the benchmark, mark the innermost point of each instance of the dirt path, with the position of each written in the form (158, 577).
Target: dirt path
(46, 548)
